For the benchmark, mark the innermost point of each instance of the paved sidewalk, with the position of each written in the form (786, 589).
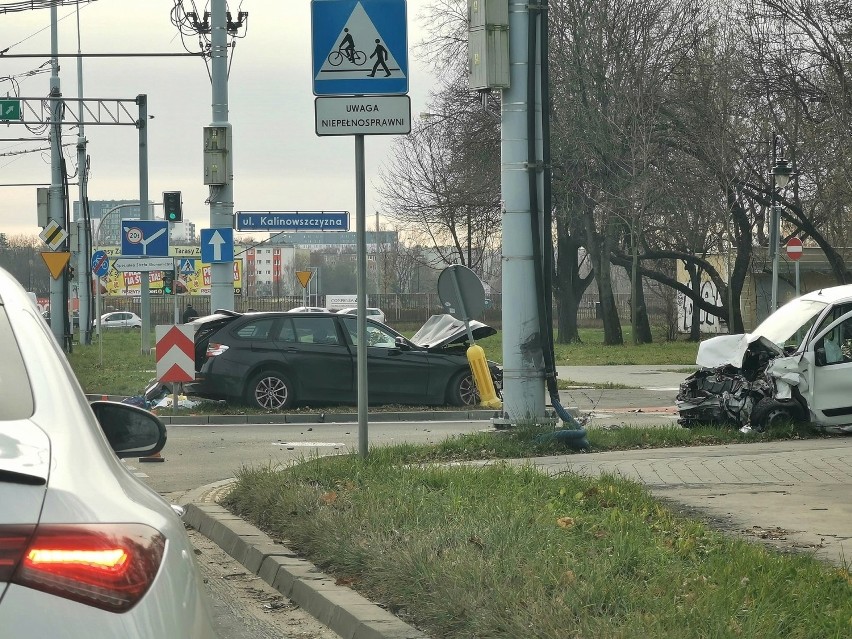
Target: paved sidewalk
(793, 495)
(662, 377)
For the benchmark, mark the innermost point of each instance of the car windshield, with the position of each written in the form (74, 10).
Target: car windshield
(789, 324)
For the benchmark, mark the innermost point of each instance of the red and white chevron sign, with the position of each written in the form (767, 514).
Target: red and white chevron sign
(175, 353)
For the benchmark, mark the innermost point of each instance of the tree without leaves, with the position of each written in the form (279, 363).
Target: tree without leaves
(442, 181)
(611, 62)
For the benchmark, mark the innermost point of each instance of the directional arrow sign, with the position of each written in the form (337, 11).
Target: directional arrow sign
(145, 237)
(10, 110)
(139, 264)
(175, 353)
(217, 245)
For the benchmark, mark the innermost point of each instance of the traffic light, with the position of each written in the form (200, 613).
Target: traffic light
(172, 206)
(168, 282)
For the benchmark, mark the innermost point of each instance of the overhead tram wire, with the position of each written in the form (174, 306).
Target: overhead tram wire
(28, 5)
(103, 55)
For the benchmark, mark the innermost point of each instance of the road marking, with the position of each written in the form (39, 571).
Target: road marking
(314, 444)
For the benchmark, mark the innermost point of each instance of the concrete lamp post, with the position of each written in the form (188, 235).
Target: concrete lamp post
(781, 174)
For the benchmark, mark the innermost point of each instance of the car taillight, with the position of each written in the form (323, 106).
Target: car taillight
(108, 566)
(214, 349)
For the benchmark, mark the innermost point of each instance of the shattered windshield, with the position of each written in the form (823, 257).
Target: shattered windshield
(789, 324)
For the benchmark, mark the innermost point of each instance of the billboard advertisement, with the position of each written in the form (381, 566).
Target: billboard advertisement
(195, 280)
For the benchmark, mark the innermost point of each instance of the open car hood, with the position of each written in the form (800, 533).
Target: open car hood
(730, 350)
(442, 330)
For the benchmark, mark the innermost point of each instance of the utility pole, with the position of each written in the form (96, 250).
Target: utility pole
(56, 210)
(145, 214)
(84, 248)
(376, 253)
(221, 192)
(523, 377)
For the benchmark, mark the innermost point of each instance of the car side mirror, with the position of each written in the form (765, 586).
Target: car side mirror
(130, 430)
(819, 356)
(401, 344)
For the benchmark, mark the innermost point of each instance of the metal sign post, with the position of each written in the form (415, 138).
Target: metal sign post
(794, 252)
(345, 35)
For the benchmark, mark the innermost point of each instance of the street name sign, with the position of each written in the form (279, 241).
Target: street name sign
(10, 110)
(292, 221)
(359, 115)
(140, 264)
(359, 47)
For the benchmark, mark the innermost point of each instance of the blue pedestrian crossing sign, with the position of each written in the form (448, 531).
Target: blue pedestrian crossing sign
(360, 47)
(187, 266)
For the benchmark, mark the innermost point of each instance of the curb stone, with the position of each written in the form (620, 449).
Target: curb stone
(341, 609)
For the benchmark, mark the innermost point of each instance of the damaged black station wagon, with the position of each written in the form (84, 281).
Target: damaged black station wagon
(274, 360)
(795, 366)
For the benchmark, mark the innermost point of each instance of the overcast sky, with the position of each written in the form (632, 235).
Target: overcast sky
(279, 162)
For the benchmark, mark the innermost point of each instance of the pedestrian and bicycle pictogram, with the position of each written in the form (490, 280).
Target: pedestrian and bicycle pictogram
(359, 47)
(346, 51)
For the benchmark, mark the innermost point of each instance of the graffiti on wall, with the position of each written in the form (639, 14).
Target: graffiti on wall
(709, 323)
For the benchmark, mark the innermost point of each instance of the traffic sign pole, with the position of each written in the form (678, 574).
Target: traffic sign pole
(345, 35)
(794, 252)
(797, 280)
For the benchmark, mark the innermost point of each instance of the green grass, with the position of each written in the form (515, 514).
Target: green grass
(506, 552)
(115, 366)
(592, 351)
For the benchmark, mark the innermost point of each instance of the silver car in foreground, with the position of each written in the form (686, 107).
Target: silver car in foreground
(87, 550)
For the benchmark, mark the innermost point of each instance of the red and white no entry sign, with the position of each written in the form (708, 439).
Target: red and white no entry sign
(794, 248)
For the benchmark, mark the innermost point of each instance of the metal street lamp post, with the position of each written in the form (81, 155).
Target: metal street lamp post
(781, 173)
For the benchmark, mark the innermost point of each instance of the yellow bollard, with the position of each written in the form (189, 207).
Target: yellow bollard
(482, 377)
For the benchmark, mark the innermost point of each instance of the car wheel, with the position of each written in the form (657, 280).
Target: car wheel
(463, 391)
(269, 390)
(771, 412)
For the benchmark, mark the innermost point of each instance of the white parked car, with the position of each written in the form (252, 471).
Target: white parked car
(87, 550)
(796, 365)
(121, 319)
(309, 309)
(372, 312)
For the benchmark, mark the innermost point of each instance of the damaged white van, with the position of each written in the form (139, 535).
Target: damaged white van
(797, 366)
